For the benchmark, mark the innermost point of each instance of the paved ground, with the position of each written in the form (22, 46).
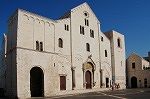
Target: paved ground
(118, 94)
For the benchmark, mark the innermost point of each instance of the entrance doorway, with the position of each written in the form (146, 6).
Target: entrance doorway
(133, 82)
(107, 82)
(62, 82)
(88, 80)
(145, 82)
(36, 82)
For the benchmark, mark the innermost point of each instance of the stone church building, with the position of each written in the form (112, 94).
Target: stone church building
(46, 56)
(138, 71)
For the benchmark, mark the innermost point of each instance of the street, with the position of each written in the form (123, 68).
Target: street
(118, 94)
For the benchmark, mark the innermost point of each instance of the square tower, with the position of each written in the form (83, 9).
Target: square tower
(117, 45)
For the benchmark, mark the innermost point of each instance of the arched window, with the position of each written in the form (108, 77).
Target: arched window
(105, 53)
(60, 43)
(37, 45)
(81, 29)
(88, 47)
(102, 39)
(41, 46)
(91, 33)
(119, 42)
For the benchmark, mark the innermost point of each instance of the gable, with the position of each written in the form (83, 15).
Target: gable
(134, 55)
(87, 8)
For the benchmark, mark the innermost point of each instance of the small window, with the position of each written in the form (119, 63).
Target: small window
(86, 14)
(88, 47)
(81, 29)
(66, 27)
(91, 33)
(41, 46)
(133, 65)
(119, 42)
(144, 67)
(37, 45)
(60, 43)
(105, 53)
(86, 22)
(102, 39)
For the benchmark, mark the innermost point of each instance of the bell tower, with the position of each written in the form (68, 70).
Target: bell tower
(117, 45)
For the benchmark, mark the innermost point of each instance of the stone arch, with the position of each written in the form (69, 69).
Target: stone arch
(32, 18)
(89, 65)
(26, 17)
(36, 82)
(37, 20)
(42, 21)
(88, 70)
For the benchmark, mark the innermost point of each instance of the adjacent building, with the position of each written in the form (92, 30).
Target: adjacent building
(3, 65)
(46, 56)
(138, 71)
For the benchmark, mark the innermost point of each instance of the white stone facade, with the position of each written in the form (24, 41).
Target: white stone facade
(86, 59)
(138, 71)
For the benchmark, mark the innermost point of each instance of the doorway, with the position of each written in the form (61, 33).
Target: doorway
(107, 82)
(145, 82)
(133, 82)
(62, 82)
(88, 80)
(36, 82)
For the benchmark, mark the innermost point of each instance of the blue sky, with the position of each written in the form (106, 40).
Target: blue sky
(130, 17)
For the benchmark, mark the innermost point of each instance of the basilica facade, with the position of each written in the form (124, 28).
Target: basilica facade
(46, 56)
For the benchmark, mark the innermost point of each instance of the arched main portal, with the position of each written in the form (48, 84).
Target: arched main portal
(133, 82)
(36, 82)
(88, 80)
(88, 75)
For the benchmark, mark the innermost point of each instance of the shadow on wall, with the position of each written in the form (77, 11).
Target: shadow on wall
(2, 91)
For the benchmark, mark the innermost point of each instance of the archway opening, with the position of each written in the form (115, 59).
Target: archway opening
(88, 80)
(133, 82)
(36, 82)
